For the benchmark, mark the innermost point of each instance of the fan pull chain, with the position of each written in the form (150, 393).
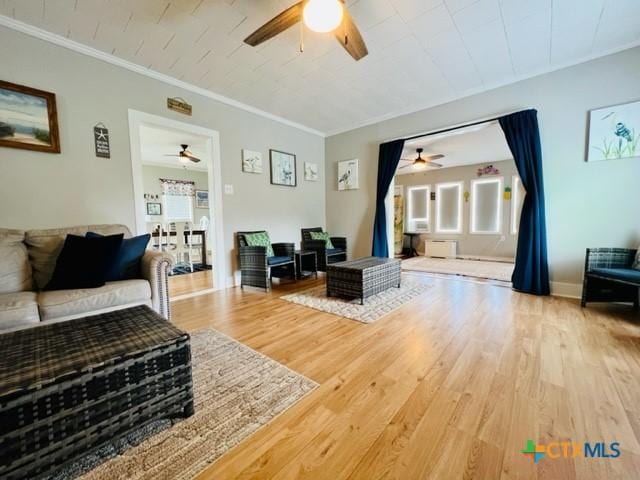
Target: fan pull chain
(301, 37)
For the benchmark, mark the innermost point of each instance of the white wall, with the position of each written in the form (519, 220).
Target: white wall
(588, 204)
(45, 190)
(499, 245)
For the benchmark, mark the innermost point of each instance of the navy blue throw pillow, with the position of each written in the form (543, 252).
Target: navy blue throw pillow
(83, 262)
(126, 265)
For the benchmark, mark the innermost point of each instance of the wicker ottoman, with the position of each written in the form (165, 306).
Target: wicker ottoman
(362, 277)
(68, 388)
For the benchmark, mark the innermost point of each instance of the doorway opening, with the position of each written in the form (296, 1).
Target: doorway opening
(177, 192)
(457, 203)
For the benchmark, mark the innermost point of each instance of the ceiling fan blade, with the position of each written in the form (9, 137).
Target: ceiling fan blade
(171, 155)
(406, 166)
(437, 156)
(349, 37)
(276, 25)
(434, 164)
(189, 155)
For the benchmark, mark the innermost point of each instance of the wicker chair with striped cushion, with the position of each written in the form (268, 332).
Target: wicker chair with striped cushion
(325, 255)
(259, 264)
(610, 275)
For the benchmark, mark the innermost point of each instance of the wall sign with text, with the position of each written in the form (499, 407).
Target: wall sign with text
(101, 140)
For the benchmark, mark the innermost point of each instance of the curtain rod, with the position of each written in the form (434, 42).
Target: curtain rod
(457, 127)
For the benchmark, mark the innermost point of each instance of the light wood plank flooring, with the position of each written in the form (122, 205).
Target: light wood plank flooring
(449, 386)
(190, 283)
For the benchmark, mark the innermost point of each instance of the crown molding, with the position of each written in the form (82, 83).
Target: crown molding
(482, 89)
(112, 59)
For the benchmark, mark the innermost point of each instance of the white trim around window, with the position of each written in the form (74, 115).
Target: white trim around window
(439, 188)
(412, 221)
(497, 229)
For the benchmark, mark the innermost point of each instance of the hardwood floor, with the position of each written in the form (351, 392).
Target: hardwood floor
(190, 283)
(451, 385)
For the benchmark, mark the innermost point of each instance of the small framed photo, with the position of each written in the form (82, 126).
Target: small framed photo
(283, 168)
(348, 174)
(154, 208)
(28, 118)
(310, 172)
(251, 161)
(202, 198)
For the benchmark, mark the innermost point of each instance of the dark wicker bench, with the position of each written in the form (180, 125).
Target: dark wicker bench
(362, 277)
(609, 276)
(68, 388)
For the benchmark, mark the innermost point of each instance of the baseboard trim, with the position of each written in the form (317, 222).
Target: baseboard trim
(568, 290)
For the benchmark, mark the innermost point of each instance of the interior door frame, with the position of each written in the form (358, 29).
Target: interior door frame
(138, 119)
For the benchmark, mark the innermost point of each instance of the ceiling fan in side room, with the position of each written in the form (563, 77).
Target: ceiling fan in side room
(185, 155)
(320, 16)
(420, 162)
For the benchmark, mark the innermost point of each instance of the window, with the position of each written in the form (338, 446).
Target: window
(418, 205)
(178, 208)
(517, 199)
(486, 206)
(449, 207)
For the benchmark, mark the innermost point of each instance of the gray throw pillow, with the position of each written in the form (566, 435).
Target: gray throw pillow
(636, 264)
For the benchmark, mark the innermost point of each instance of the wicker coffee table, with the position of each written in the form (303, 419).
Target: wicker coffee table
(68, 388)
(362, 277)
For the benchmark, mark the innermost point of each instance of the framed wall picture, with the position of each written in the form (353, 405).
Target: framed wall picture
(202, 198)
(614, 132)
(154, 208)
(283, 168)
(28, 118)
(251, 161)
(311, 172)
(348, 174)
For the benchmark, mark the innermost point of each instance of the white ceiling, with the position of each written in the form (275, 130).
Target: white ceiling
(156, 143)
(422, 52)
(465, 146)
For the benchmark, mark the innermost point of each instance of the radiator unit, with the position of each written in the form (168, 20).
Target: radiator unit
(441, 248)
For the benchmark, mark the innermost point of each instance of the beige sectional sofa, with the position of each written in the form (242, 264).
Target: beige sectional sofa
(27, 261)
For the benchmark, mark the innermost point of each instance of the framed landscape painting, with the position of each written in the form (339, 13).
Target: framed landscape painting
(283, 168)
(614, 132)
(28, 118)
(202, 198)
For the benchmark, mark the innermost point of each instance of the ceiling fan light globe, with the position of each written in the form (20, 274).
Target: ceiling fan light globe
(323, 15)
(184, 160)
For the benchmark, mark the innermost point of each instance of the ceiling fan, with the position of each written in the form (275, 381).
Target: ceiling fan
(185, 155)
(420, 162)
(320, 16)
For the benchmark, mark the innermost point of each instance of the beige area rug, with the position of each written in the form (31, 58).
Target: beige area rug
(456, 266)
(236, 391)
(374, 307)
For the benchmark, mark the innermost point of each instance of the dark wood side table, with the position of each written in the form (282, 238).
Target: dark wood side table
(306, 264)
(412, 250)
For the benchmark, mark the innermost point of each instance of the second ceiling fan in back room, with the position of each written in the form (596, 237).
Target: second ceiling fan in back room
(421, 163)
(185, 156)
(320, 16)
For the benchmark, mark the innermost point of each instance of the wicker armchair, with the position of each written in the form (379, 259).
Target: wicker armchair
(610, 277)
(325, 256)
(257, 269)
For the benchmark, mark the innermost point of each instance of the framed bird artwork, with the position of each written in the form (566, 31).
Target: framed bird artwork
(614, 132)
(348, 174)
